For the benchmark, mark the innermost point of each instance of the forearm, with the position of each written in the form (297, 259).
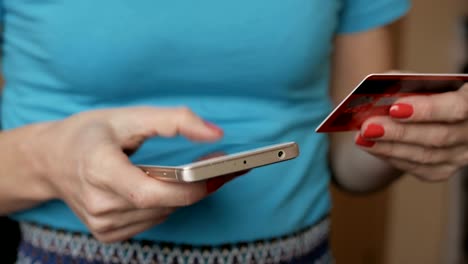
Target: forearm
(356, 56)
(356, 170)
(22, 185)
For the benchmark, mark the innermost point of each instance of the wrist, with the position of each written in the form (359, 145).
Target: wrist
(33, 152)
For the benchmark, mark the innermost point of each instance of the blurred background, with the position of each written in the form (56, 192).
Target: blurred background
(413, 221)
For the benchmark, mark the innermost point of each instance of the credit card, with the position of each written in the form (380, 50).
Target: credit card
(377, 92)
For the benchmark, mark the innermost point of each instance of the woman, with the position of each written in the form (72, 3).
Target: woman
(88, 82)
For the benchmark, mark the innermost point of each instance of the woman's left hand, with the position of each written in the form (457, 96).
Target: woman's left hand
(426, 136)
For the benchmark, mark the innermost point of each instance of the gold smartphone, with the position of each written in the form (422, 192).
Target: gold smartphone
(223, 165)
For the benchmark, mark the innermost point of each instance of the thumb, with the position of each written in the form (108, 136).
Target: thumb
(134, 125)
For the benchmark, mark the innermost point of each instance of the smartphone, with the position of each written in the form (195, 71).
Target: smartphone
(377, 92)
(223, 165)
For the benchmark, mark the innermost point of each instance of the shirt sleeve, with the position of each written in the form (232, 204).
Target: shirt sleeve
(362, 15)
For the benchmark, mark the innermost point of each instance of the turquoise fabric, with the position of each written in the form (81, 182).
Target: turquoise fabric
(257, 68)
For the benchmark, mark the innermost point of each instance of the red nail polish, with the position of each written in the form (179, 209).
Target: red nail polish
(213, 127)
(374, 131)
(364, 143)
(401, 110)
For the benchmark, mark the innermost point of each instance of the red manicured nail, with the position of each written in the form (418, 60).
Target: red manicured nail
(213, 127)
(401, 110)
(363, 142)
(214, 184)
(374, 131)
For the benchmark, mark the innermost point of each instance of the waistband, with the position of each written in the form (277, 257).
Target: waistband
(45, 245)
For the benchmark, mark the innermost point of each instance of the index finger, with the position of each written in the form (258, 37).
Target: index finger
(448, 107)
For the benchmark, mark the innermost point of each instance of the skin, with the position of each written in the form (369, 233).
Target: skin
(431, 144)
(115, 199)
(357, 55)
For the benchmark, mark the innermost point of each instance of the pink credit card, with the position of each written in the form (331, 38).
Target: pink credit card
(377, 92)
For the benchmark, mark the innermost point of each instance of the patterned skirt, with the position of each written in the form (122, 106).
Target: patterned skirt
(42, 245)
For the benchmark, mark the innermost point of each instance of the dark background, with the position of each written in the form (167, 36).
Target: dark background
(9, 240)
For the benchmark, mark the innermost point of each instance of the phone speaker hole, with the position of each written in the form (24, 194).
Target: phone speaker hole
(281, 154)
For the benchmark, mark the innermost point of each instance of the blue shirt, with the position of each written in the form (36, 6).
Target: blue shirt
(257, 68)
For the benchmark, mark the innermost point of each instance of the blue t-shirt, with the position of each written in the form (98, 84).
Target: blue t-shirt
(257, 68)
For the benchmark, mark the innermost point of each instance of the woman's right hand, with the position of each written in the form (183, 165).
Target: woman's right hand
(83, 159)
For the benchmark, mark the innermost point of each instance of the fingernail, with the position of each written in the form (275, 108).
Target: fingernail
(213, 127)
(374, 131)
(214, 184)
(401, 110)
(363, 142)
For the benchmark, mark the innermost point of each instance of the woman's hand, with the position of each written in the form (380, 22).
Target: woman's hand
(83, 159)
(426, 136)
